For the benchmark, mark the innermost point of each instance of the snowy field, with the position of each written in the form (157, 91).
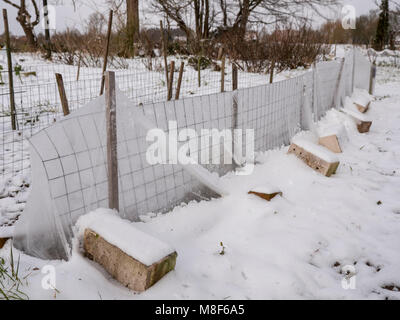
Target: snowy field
(296, 247)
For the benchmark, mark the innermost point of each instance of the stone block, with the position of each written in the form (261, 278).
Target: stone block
(130, 272)
(317, 163)
(332, 143)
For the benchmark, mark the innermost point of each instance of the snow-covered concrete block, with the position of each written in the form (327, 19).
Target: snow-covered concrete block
(362, 108)
(134, 258)
(331, 142)
(266, 192)
(363, 123)
(316, 157)
(362, 100)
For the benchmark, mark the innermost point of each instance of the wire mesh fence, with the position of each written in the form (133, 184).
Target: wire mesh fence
(70, 158)
(38, 102)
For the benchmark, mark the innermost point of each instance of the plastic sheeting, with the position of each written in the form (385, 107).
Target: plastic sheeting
(69, 170)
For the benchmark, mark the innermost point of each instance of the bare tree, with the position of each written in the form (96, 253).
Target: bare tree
(132, 11)
(25, 19)
(236, 14)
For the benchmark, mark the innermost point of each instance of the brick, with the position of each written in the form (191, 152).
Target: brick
(332, 143)
(314, 162)
(130, 272)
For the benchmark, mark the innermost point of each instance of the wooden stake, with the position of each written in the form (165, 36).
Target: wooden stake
(178, 88)
(171, 80)
(164, 45)
(10, 72)
(372, 78)
(199, 71)
(353, 81)
(271, 77)
(235, 111)
(223, 74)
(79, 68)
(234, 77)
(63, 96)
(110, 20)
(335, 102)
(112, 153)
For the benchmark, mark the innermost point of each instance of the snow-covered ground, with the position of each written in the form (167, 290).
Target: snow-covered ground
(295, 247)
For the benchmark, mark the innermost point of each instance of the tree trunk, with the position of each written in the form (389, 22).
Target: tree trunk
(47, 30)
(132, 9)
(30, 36)
(244, 19)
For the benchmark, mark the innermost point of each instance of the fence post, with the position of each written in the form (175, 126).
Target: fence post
(171, 80)
(105, 62)
(112, 147)
(178, 88)
(63, 96)
(10, 72)
(235, 112)
(372, 78)
(234, 77)
(79, 68)
(271, 77)
(337, 89)
(314, 97)
(164, 48)
(223, 61)
(199, 71)
(354, 70)
(303, 106)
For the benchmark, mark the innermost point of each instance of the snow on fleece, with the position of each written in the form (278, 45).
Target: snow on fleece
(123, 234)
(291, 248)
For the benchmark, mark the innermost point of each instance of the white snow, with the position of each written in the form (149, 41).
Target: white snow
(124, 235)
(6, 232)
(292, 248)
(356, 115)
(362, 97)
(266, 189)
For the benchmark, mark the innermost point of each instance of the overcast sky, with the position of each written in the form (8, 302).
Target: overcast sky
(68, 17)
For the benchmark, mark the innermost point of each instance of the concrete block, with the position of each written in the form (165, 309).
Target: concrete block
(363, 123)
(130, 272)
(364, 126)
(332, 143)
(362, 108)
(315, 162)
